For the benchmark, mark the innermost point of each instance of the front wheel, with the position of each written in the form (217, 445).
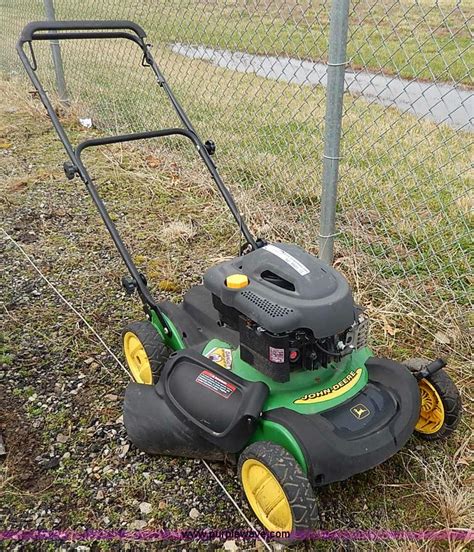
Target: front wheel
(277, 489)
(144, 351)
(440, 410)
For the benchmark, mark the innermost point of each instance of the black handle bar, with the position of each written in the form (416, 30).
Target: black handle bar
(30, 31)
(59, 30)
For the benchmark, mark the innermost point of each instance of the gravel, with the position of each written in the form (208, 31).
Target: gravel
(68, 462)
(194, 513)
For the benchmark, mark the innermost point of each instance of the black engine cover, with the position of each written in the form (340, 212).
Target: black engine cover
(288, 289)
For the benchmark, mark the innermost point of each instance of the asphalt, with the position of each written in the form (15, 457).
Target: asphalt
(439, 102)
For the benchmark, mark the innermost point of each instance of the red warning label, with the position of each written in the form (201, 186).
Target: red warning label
(216, 384)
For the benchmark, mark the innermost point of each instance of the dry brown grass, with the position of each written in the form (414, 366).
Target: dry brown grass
(176, 226)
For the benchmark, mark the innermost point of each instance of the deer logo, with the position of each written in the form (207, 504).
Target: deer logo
(360, 411)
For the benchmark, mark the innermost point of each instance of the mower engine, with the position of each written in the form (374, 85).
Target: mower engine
(292, 311)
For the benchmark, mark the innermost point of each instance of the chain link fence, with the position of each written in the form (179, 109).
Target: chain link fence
(252, 75)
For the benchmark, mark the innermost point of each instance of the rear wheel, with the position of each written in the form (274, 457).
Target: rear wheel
(440, 410)
(277, 489)
(144, 351)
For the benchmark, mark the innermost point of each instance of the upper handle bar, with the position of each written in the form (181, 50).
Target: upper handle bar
(28, 32)
(57, 30)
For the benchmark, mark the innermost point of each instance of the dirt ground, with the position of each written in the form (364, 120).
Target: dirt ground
(68, 463)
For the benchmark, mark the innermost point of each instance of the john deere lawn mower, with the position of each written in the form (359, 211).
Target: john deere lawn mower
(266, 363)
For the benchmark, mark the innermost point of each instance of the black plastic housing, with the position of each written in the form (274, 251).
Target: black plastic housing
(360, 433)
(154, 428)
(289, 289)
(257, 348)
(221, 406)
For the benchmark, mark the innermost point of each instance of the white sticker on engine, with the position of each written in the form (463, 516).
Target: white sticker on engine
(276, 355)
(289, 259)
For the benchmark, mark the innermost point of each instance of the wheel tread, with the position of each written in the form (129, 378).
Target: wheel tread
(157, 352)
(289, 474)
(449, 394)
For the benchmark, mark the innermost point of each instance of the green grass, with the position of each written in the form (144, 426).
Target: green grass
(404, 192)
(423, 487)
(404, 212)
(411, 39)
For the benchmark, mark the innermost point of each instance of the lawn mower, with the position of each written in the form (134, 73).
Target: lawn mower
(266, 363)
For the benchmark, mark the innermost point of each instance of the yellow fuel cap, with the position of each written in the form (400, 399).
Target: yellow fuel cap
(236, 281)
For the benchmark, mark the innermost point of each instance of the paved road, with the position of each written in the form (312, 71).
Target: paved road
(441, 103)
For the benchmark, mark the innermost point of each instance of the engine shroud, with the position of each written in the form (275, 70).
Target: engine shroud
(292, 303)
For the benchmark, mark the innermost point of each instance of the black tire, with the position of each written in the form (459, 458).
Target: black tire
(156, 351)
(450, 398)
(292, 480)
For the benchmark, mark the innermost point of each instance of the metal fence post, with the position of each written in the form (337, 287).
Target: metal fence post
(336, 68)
(57, 58)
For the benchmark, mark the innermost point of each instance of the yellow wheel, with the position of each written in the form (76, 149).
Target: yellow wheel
(137, 359)
(440, 403)
(144, 351)
(431, 417)
(278, 491)
(266, 496)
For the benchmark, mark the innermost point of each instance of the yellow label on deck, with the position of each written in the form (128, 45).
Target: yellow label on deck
(334, 391)
(221, 356)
